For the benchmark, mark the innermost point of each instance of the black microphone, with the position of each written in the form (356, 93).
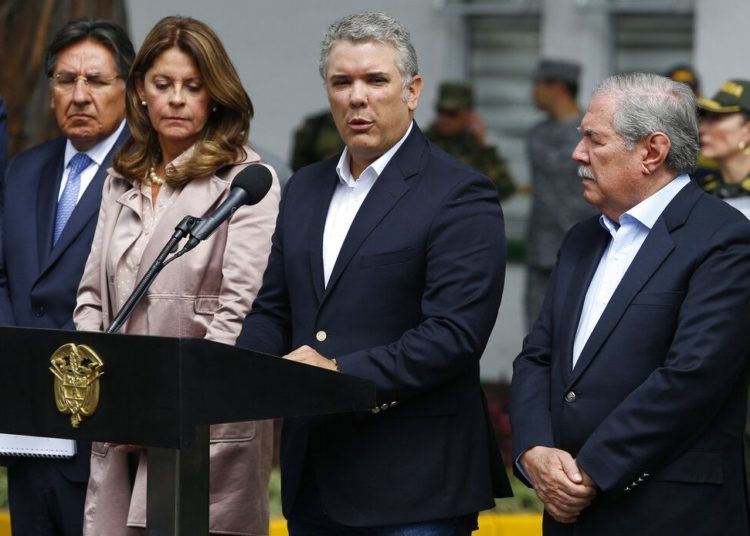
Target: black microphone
(248, 188)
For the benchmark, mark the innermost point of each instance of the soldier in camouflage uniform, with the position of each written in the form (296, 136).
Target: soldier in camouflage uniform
(315, 139)
(458, 131)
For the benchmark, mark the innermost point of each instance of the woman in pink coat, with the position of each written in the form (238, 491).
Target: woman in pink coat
(189, 118)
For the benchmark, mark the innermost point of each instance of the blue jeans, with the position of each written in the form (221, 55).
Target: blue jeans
(457, 526)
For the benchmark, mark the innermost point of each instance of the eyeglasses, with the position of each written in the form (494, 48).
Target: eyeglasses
(66, 81)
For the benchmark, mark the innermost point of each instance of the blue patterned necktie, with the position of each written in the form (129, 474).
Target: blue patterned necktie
(69, 197)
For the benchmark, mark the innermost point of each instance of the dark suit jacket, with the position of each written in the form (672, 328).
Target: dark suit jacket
(3, 140)
(655, 406)
(38, 283)
(410, 305)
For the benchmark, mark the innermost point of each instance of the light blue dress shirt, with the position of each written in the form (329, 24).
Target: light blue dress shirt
(627, 238)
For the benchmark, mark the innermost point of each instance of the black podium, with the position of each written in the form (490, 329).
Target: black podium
(163, 393)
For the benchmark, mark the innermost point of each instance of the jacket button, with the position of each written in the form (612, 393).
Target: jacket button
(39, 311)
(570, 397)
(376, 410)
(385, 406)
(394, 403)
(321, 336)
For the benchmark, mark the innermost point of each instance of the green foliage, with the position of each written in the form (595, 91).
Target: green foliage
(524, 499)
(274, 493)
(3, 488)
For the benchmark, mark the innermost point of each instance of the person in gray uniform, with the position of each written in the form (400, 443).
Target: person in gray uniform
(556, 187)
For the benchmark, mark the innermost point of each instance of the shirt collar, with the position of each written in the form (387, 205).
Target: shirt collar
(99, 151)
(648, 211)
(375, 169)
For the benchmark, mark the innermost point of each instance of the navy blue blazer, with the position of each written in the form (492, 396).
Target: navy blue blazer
(3, 141)
(409, 305)
(38, 283)
(655, 407)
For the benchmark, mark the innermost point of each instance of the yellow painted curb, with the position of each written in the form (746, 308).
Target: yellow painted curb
(4, 524)
(489, 525)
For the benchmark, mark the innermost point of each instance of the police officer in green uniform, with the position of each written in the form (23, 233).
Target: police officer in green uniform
(725, 138)
(460, 132)
(315, 139)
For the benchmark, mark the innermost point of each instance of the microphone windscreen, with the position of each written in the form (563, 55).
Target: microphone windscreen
(256, 180)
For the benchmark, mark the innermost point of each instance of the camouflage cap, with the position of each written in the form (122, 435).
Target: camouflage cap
(455, 95)
(733, 96)
(566, 71)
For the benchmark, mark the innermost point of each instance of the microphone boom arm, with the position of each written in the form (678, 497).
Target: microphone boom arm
(182, 230)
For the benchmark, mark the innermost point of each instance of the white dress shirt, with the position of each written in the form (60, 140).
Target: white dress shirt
(349, 195)
(627, 238)
(97, 153)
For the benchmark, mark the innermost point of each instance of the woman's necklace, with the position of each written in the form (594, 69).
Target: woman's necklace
(154, 178)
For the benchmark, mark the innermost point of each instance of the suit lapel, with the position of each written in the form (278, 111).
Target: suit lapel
(657, 246)
(390, 186)
(583, 273)
(319, 202)
(86, 208)
(198, 197)
(46, 201)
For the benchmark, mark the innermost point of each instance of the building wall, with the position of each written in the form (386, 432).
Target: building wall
(722, 41)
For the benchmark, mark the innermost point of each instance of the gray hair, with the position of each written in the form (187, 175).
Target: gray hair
(648, 103)
(372, 26)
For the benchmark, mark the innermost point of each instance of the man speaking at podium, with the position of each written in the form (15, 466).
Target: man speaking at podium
(52, 197)
(387, 264)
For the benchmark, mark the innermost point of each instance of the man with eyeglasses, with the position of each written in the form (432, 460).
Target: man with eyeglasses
(459, 131)
(52, 197)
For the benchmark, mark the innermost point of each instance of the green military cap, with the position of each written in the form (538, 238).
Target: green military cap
(455, 96)
(733, 96)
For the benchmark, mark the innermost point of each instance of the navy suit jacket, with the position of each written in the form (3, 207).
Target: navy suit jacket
(3, 140)
(410, 304)
(655, 407)
(38, 283)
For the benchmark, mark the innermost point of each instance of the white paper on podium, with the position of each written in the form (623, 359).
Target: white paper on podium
(37, 447)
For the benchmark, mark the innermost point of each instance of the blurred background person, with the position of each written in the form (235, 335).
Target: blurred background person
(189, 117)
(557, 201)
(51, 200)
(315, 139)
(725, 139)
(686, 74)
(460, 132)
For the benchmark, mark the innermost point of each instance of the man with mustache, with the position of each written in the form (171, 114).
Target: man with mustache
(629, 395)
(387, 264)
(51, 202)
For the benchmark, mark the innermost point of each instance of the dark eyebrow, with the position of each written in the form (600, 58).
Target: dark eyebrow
(587, 131)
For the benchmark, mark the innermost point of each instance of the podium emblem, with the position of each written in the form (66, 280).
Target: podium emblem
(76, 370)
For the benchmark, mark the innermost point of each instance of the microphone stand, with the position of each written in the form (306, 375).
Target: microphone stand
(182, 229)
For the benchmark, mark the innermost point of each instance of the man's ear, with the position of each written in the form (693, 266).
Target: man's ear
(657, 145)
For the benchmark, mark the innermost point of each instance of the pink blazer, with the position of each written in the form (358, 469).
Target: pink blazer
(206, 293)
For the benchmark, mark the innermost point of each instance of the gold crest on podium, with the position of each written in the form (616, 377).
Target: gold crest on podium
(76, 370)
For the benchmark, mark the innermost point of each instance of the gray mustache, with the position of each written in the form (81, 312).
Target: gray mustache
(585, 172)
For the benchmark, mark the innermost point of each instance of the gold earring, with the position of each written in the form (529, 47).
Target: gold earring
(742, 146)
